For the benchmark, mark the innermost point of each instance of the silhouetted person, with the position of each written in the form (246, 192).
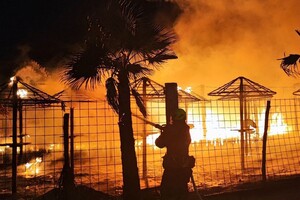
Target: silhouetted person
(177, 163)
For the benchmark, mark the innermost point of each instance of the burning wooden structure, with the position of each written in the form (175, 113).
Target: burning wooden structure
(14, 96)
(97, 160)
(243, 89)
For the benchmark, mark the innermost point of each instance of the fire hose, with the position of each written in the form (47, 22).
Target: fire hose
(160, 127)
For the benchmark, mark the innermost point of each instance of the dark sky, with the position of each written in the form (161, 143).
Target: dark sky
(43, 30)
(218, 40)
(48, 31)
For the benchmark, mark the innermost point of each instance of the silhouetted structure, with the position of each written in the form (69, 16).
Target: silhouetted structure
(242, 89)
(14, 95)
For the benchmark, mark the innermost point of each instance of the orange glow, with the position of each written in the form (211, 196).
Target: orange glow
(221, 40)
(32, 168)
(12, 79)
(22, 93)
(216, 134)
(278, 126)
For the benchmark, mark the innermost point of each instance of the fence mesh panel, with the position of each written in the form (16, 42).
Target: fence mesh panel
(221, 160)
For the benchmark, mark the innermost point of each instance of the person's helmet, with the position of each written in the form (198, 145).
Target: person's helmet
(179, 115)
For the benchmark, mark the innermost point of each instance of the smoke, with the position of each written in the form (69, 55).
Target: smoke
(50, 82)
(221, 40)
(218, 41)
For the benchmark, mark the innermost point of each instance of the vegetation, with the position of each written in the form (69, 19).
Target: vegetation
(289, 63)
(123, 43)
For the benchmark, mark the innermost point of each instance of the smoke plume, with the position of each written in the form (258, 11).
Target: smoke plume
(221, 40)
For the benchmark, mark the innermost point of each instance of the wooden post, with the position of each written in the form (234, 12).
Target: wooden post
(67, 175)
(264, 149)
(72, 139)
(144, 95)
(203, 112)
(246, 127)
(20, 157)
(66, 139)
(242, 125)
(14, 137)
(171, 93)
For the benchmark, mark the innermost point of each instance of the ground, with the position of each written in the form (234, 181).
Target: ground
(288, 189)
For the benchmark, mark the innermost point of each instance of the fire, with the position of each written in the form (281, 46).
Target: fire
(279, 126)
(187, 89)
(33, 168)
(151, 138)
(216, 134)
(12, 79)
(22, 93)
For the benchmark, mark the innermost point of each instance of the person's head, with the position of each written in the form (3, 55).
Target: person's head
(179, 115)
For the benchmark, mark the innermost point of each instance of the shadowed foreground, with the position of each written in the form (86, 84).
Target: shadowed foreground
(288, 189)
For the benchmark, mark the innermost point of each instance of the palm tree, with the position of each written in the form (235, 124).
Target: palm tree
(122, 44)
(289, 63)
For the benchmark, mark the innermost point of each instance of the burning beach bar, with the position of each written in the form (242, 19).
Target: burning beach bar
(216, 140)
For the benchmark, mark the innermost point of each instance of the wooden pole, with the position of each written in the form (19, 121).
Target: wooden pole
(246, 127)
(145, 135)
(171, 95)
(21, 131)
(242, 125)
(72, 139)
(66, 139)
(67, 177)
(264, 149)
(203, 112)
(14, 137)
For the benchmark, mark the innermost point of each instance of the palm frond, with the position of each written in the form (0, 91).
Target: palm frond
(112, 94)
(158, 38)
(139, 102)
(161, 57)
(87, 67)
(166, 37)
(121, 19)
(136, 70)
(289, 64)
(131, 13)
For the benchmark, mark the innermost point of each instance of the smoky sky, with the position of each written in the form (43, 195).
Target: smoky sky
(223, 39)
(218, 40)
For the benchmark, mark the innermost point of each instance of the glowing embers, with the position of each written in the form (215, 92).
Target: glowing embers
(12, 79)
(32, 168)
(22, 93)
(187, 89)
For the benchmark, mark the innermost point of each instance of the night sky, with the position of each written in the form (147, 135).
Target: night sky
(45, 31)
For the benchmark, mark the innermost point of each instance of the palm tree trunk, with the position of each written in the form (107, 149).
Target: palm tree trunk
(131, 181)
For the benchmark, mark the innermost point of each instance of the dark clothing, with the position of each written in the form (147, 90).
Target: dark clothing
(174, 184)
(177, 172)
(176, 138)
